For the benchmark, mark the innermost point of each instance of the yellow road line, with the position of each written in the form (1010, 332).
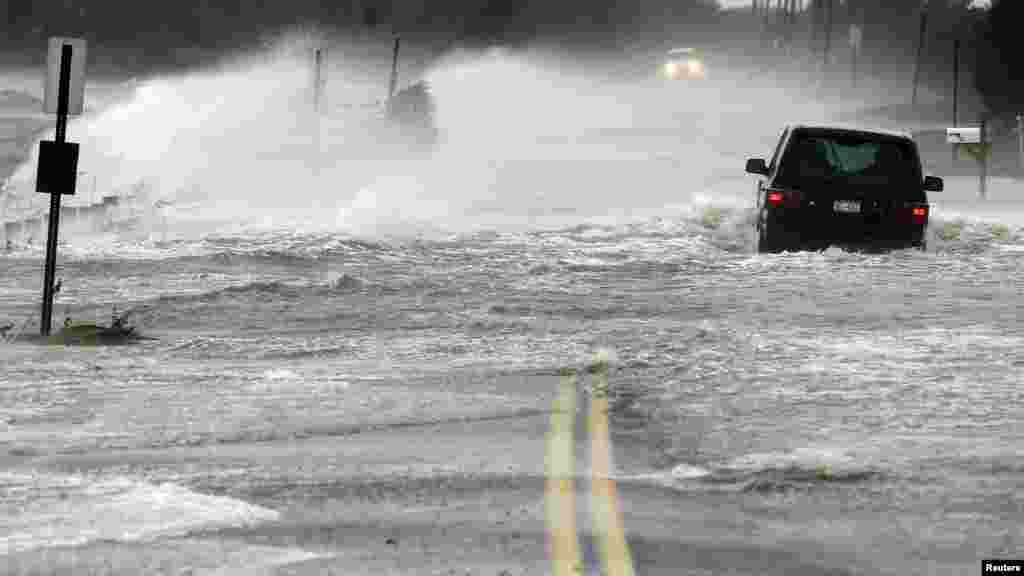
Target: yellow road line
(616, 559)
(560, 492)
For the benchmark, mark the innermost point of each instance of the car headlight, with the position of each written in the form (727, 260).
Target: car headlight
(671, 69)
(695, 68)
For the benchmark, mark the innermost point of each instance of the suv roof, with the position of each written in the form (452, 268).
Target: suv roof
(853, 128)
(896, 164)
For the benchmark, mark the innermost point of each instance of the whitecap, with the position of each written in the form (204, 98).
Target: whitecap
(73, 510)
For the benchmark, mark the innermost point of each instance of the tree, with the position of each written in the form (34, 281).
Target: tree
(18, 13)
(999, 71)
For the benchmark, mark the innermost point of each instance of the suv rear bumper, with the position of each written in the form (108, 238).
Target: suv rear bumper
(815, 229)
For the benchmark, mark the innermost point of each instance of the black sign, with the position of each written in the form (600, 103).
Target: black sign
(58, 167)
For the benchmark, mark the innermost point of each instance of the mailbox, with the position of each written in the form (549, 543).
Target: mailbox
(963, 135)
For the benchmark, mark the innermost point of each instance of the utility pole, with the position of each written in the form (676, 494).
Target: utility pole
(776, 26)
(792, 24)
(983, 159)
(828, 38)
(316, 81)
(760, 13)
(857, 19)
(956, 87)
(920, 50)
(815, 19)
(1020, 141)
(394, 70)
(854, 48)
(854, 43)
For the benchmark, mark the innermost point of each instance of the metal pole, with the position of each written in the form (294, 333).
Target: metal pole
(920, 49)
(394, 69)
(51, 238)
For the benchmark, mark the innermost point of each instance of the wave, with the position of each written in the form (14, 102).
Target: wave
(958, 232)
(278, 247)
(278, 290)
(278, 431)
(257, 155)
(74, 510)
(768, 472)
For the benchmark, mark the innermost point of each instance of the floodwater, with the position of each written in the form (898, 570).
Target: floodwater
(357, 357)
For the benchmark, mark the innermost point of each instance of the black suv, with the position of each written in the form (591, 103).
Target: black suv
(838, 186)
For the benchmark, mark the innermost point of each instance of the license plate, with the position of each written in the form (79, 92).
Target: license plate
(846, 206)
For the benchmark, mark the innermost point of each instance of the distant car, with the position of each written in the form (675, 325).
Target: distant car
(829, 185)
(683, 64)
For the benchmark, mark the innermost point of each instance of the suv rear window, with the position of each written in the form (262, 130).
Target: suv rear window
(849, 158)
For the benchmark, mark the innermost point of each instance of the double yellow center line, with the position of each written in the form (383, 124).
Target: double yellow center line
(560, 493)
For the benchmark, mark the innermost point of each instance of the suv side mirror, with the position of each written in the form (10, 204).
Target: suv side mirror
(757, 166)
(933, 184)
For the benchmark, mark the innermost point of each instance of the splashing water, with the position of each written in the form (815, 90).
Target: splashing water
(527, 140)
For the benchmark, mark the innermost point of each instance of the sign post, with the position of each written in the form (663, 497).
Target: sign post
(64, 94)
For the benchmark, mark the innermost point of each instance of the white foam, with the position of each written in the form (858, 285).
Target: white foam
(688, 472)
(284, 381)
(679, 473)
(53, 511)
(254, 560)
(836, 460)
(280, 374)
(528, 141)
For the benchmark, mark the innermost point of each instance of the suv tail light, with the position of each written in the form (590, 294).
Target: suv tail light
(783, 198)
(917, 213)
